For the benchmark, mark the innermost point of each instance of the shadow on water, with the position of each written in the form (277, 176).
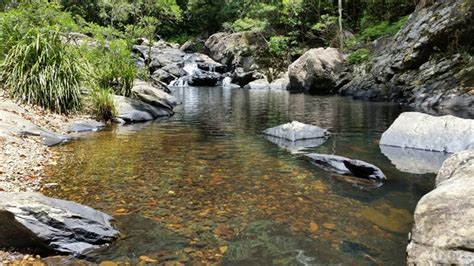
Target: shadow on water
(206, 185)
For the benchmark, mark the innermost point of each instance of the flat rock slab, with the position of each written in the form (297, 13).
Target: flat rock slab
(259, 84)
(297, 131)
(86, 125)
(133, 110)
(346, 166)
(145, 92)
(31, 220)
(414, 161)
(426, 132)
(443, 233)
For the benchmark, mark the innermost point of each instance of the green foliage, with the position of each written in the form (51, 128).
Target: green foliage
(249, 24)
(359, 56)
(279, 45)
(112, 65)
(103, 107)
(41, 70)
(384, 28)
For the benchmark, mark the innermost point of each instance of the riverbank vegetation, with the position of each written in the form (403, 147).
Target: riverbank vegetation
(43, 64)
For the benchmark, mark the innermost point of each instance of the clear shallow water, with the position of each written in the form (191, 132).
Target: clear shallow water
(206, 186)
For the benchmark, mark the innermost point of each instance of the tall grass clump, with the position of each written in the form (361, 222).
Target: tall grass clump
(113, 66)
(103, 107)
(41, 70)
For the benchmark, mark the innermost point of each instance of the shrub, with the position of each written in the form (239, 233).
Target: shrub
(249, 24)
(279, 45)
(359, 56)
(41, 70)
(103, 106)
(112, 66)
(384, 28)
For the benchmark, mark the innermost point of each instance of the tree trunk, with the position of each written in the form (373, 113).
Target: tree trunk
(341, 33)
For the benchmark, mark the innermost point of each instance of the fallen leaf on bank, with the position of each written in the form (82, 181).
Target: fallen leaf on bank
(313, 227)
(147, 259)
(223, 249)
(329, 226)
(108, 263)
(223, 231)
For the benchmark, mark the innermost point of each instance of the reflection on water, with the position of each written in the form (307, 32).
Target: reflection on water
(223, 193)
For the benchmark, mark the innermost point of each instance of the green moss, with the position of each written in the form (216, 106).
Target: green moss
(359, 56)
(384, 28)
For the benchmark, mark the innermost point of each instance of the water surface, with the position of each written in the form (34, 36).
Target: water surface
(206, 186)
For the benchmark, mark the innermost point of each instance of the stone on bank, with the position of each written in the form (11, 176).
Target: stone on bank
(443, 233)
(31, 220)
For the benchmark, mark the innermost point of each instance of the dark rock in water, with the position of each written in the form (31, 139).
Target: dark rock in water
(205, 79)
(86, 125)
(356, 249)
(31, 220)
(242, 78)
(139, 236)
(316, 71)
(219, 68)
(163, 76)
(346, 166)
(297, 131)
(133, 110)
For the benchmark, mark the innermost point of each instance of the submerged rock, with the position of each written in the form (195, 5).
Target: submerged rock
(316, 71)
(443, 232)
(133, 110)
(346, 166)
(31, 220)
(204, 79)
(414, 161)
(426, 132)
(297, 131)
(86, 125)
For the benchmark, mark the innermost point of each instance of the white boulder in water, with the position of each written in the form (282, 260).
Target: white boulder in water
(346, 166)
(297, 131)
(426, 132)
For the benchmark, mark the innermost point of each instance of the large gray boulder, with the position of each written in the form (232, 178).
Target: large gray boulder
(31, 220)
(443, 233)
(426, 132)
(145, 92)
(234, 49)
(296, 131)
(346, 166)
(133, 110)
(316, 71)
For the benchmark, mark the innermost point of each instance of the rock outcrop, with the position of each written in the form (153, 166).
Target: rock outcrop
(426, 132)
(85, 125)
(443, 233)
(346, 166)
(316, 71)
(147, 93)
(133, 110)
(234, 49)
(259, 84)
(296, 131)
(31, 220)
(422, 67)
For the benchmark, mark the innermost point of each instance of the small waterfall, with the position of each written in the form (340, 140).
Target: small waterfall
(190, 67)
(226, 82)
